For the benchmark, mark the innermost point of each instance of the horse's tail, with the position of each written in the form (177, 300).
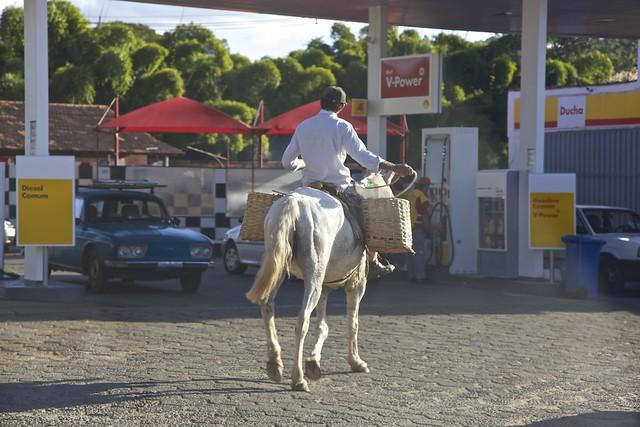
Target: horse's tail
(278, 231)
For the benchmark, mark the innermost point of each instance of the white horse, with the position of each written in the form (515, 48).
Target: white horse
(307, 234)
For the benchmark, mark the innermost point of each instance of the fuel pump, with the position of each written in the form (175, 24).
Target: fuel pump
(441, 251)
(450, 161)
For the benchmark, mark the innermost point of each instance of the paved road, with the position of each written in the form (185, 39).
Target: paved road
(472, 353)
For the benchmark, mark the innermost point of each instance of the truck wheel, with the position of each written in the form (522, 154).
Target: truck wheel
(611, 278)
(95, 270)
(191, 282)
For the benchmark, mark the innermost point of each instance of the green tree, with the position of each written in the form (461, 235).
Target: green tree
(346, 47)
(144, 33)
(159, 86)
(409, 42)
(12, 41)
(70, 36)
(207, 44)
(593, 67)
(237, 142)
(12, 86)
(72, 84)
(117, 35)
(239, 61)
(201, 59)
(450, 43)
(503, 71)
(621, 52)
(112, 75)
(253, 82)
(147, 59)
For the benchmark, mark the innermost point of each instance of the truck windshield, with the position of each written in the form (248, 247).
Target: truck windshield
(612, 220)
(117, 209)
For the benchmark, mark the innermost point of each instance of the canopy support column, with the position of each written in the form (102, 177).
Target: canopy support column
(531, 155)
(376, 49)
(36, 107)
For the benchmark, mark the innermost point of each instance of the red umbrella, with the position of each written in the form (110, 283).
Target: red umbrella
(286, 123)
(177, 115)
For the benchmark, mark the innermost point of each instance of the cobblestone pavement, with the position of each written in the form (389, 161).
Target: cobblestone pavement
(449, 353)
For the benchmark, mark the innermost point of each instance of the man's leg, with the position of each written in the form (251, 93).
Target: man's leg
(419, 259)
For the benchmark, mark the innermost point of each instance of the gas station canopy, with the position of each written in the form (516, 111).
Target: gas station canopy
(613, 18)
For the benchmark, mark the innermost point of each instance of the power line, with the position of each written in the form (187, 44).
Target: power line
(229, 25)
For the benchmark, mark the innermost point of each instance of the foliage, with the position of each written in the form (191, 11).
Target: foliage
(147, 59)
(237, 143)
(88, 64)
(118, 36)
(72, 84)
(159, 86)
(11, 86)
(12, 39)
(251, 83)
(71, 40)
(113, 76)
(593, 67)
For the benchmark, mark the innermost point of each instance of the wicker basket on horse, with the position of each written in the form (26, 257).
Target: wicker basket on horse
(387, 224)
(258, 205)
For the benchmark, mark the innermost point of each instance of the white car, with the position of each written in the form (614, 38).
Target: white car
(238, 254)
(9, 233)
(620, 229)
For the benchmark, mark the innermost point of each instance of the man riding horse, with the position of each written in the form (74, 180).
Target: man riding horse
(323, 141)
(308, 234)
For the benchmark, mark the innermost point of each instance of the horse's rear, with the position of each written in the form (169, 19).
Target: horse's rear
(306, 233)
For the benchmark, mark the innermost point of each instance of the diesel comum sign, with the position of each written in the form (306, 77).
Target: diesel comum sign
(411, 84)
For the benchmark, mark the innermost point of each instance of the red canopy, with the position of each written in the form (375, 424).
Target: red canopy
(177, 115)
(286, 123)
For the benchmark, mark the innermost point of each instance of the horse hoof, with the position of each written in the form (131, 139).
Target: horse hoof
(360, 367)
(274, 370)
(312, 369)
(301, 386)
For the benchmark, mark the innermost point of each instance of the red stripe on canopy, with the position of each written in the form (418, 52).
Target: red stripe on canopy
(286, 123)
(177, 115)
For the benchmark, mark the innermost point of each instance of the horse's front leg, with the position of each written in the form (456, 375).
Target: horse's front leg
(354, 296)
(312, 365)
(312, 292)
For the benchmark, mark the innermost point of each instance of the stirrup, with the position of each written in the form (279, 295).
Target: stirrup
(377, 269)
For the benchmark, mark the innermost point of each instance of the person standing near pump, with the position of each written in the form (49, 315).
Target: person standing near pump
(419, 202)
(320, 146)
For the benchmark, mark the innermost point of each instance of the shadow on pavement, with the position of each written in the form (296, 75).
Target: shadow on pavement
(221, 296)
(28, 396)
(594, 419)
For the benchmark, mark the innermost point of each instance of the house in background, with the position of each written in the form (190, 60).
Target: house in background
(72, 131)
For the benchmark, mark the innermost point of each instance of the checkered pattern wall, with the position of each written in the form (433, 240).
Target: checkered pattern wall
(197, 197)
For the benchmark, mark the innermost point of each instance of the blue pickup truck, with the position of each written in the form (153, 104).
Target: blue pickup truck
(127, 234)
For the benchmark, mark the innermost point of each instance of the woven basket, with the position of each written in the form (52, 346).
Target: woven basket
(258, 205)
(387, 224)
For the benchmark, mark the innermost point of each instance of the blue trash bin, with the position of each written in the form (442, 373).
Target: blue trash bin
(582, 265)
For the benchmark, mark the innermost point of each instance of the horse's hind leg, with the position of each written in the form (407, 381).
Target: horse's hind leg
(354, 296)
(274, 359)
(312, 292)
(312, 365)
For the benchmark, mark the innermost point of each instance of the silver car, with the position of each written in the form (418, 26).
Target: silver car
(238, 254)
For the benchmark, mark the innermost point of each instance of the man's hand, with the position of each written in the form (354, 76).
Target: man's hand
(298, 164)
(403, 169)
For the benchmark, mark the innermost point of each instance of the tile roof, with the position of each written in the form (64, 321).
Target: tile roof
(72, 130)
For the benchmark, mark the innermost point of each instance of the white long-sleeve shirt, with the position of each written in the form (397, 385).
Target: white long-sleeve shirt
(324, 141)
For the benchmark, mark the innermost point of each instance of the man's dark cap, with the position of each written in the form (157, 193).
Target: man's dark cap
(334, 95)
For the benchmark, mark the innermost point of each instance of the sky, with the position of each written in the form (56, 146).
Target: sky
(252, 35)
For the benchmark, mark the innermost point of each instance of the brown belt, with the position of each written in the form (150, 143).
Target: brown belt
(325, 186)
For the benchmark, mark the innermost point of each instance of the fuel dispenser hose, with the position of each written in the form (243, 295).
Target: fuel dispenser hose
(442, 207)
